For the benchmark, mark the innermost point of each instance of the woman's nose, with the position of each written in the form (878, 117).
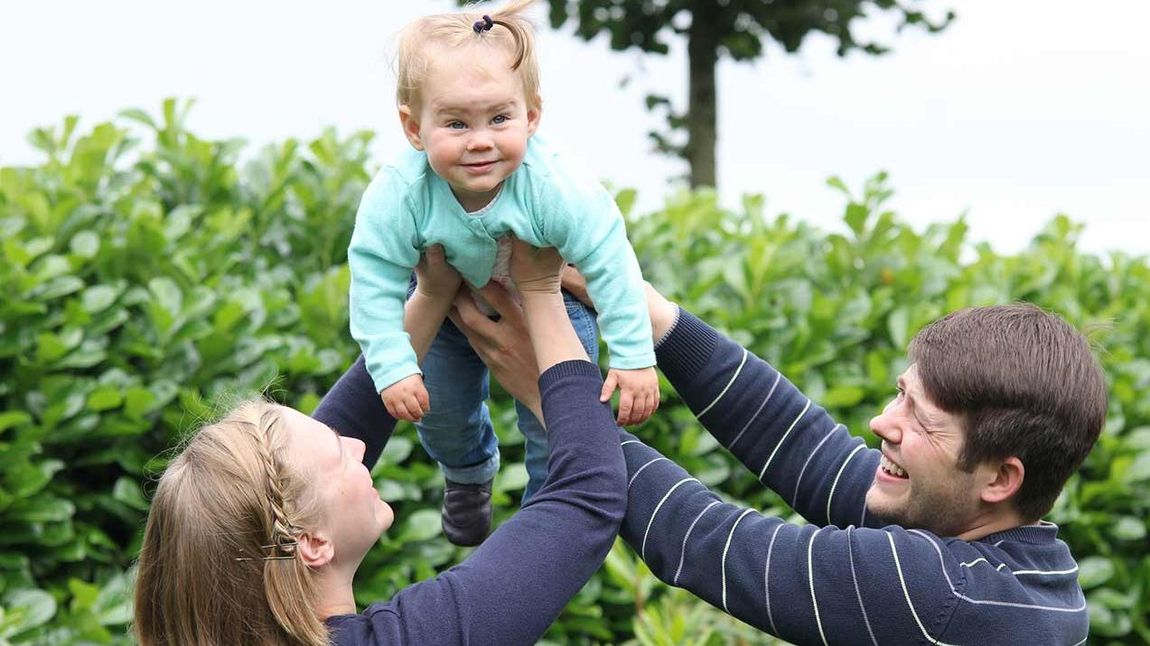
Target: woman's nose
(358, 448)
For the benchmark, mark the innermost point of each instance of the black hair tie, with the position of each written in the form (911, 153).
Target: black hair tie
(481, 26)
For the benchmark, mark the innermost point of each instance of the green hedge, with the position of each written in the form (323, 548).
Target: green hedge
(147, 275)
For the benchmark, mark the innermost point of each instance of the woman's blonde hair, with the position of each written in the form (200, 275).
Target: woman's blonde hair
(510, 30)
(218, 563)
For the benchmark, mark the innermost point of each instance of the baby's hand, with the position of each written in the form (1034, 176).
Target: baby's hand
(407, 399)
(638, 394)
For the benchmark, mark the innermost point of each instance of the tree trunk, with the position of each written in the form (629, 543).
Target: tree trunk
(702, 60)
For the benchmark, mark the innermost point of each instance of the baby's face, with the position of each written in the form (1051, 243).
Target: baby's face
(474, 122)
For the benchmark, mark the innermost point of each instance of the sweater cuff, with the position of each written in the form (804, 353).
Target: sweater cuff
(659, 341)
(565, 369)
(687, 347)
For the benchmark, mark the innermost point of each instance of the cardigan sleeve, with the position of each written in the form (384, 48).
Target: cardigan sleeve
(383, 252)
(580, 218)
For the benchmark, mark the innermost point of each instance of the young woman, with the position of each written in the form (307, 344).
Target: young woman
(258, 526)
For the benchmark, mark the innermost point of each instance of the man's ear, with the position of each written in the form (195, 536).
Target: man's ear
(410, 127)
(533, 116)
(1005, 481)
(315, 549)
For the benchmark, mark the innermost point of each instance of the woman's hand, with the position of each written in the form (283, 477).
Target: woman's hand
(535, 271)
(436, 285)
(504, 345)
(434, 277)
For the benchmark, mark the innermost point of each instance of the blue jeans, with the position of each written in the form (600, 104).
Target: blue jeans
(457, 431)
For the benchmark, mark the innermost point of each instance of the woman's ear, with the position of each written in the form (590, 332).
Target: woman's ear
(410, 127)
(315, 549)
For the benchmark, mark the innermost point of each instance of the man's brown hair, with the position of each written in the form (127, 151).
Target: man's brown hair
(1025, 384)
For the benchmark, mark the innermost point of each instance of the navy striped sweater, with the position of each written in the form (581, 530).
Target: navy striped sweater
(845, 578)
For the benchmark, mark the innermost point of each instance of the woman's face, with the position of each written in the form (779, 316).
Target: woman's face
(354, 516)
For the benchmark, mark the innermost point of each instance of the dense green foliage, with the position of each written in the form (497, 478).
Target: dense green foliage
(147, 274)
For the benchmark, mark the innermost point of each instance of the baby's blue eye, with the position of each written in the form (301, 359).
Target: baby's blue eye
(457, 125)
(501, 119)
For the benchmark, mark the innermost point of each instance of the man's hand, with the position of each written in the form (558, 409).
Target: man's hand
(576, 283)
(663, 312)
(407, 399)
(638, 394)
(434, 277)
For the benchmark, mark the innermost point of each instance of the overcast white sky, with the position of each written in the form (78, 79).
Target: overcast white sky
(1019, 111)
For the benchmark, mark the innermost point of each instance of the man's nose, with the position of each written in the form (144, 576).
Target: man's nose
(885, 427)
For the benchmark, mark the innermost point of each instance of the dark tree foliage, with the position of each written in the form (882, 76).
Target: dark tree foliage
(738, 29)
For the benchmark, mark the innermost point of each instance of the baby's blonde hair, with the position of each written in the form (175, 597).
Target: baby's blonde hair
(218, 564)
(511, 31)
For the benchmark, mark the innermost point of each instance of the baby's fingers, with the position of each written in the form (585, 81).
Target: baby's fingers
(609, 386)
(414, 408)
(626, 407)
(422, 400)
(391, 409)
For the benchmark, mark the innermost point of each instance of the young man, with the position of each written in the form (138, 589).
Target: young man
(936, 537)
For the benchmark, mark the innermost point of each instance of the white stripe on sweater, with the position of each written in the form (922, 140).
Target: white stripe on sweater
(906, 592)
(643, 551)
(799, 480)
(783, 439)
(640, 470)
(683, 553)
(1042, 572)
(811, 579)
(728, 386)
(858, 592)
(990, 602)
(835, 484)
(982, 559)
(739, 435)
(767, 578)
(726, 548)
